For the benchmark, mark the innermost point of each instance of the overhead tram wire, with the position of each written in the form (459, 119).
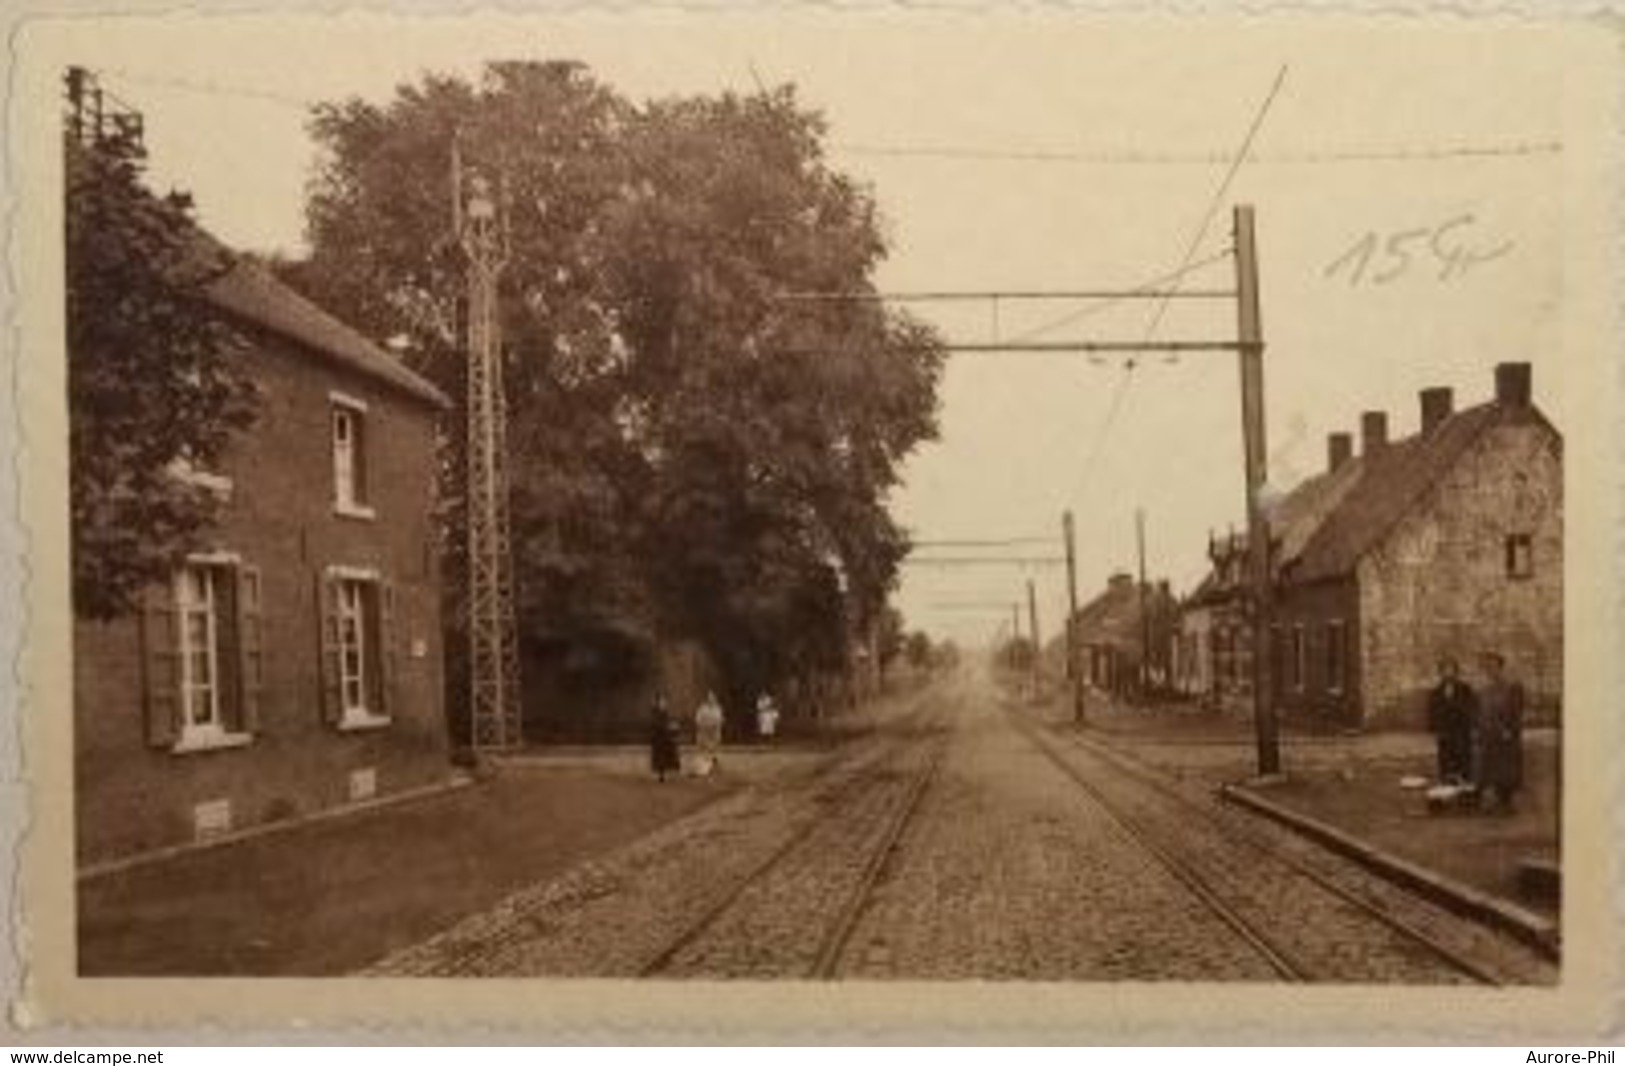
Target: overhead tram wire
(1005, 542)
(1123, 157)
(208, 88)
(1099, 300)
(1145, 290)
(1120, 393)
(1223, 190)
(1438, 153)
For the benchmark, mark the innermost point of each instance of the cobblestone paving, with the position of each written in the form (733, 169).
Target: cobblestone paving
(621, 914)
(784, 922)
(1498, 954)
(1007, 873)
(1009, 868)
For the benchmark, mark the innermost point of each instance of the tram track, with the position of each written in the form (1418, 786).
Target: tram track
(849, 849)
(1235, 865)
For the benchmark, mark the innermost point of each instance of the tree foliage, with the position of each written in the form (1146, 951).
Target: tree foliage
(691, 455)
(152, 378)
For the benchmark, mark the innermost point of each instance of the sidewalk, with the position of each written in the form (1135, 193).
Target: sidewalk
(1352, 782)
(330, 897)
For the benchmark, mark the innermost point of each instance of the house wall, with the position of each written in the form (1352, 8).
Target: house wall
(1321, 613)
(1229, 655)
(132, 795)
(1437, 585)
(1193, 652)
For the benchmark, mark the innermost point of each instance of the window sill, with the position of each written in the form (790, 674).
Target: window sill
(197, 740)
(359, 721)
(219, 484)
(355, 510)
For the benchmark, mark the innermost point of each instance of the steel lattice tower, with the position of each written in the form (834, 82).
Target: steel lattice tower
(482, 232)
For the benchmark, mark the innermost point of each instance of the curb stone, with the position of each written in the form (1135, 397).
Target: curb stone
(1539, 932)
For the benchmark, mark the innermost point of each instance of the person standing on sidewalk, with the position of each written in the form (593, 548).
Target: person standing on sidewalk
(1451, 710)
(708, 733)
(1498, 736)
(663, 755)
(767, 716)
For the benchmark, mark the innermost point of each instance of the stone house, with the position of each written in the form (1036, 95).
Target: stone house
(1216, 622)
(1445, 543)
(1441, 544)
(1437, 545)
(293, 665)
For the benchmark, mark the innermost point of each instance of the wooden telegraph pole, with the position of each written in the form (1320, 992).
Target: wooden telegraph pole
(1032, 624)
(1145, 612)
(1250, 337)
(1074, 673)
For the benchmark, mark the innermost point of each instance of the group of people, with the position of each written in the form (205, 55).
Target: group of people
(665, 734)
(1479, 731)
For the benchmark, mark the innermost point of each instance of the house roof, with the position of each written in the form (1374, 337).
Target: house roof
(251, 293)
(1113, 617)
(1303, 511)
(1389, 484)
(1207, 590)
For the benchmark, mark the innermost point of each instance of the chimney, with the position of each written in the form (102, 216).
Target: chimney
(1373, 432)
(1512, 384)
(1120, 580)
(1437, 405)
(1339, 450)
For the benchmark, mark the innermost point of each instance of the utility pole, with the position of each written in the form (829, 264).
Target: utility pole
(1145, 613)
(1074, 673)
(1250, 336)
(1032, 624)
(480, 222)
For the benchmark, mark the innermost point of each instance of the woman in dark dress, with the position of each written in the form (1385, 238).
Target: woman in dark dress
(663, 757)
(1451, 710)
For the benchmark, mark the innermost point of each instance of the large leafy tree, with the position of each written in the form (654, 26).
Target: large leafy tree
(383, 254)
(773, 429)
(153, 384)
(691, 454)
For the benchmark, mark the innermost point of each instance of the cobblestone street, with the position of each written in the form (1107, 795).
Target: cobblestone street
(969, 837)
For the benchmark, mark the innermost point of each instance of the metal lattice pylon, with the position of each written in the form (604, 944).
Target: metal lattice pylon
(481, 226)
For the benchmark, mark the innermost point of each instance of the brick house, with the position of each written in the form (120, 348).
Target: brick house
(295, 664)
(1212, 650)
(1111, 635)
(1444, 543)
(1216, 620)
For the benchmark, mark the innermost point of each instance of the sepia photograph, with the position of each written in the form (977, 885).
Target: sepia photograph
(988, 500)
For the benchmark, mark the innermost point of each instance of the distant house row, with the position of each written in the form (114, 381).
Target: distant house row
(1442, 544)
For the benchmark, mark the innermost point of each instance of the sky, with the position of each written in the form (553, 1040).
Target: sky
(1403, 179)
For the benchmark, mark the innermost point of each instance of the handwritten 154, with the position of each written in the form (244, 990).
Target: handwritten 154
(1448, 249)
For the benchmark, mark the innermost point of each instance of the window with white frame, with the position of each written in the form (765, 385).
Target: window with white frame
(357, 661)
(198, 595)
(355, 619)
(349, 425)
(203, 655)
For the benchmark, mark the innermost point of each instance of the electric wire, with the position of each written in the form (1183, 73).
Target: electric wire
(1120, 393)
